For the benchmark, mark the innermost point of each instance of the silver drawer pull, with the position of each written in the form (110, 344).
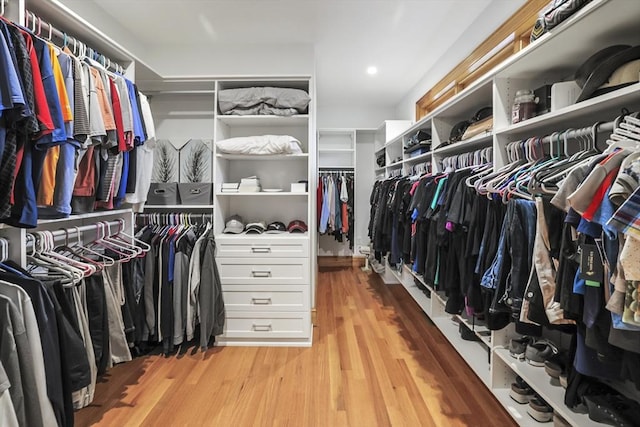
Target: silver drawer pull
(261, 250)
(261, 301)
(261, 273)
(262, 328)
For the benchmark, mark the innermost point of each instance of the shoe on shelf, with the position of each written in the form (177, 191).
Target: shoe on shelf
(558, 421)
(539, 352)
(517, 346)
(613, 409)
(520, 391)
(564, 380)
(553, 369)
(540, 410)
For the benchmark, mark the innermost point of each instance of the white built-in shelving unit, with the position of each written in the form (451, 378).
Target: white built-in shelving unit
(554, 57)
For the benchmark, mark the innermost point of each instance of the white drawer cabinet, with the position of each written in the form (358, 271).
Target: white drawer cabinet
(250, 325)
(264, 271)
(266, 298)
(278, 246)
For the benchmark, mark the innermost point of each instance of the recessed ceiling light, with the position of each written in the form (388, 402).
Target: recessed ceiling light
(372, 70)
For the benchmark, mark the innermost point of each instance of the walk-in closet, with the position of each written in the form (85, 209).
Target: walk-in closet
(319, 213)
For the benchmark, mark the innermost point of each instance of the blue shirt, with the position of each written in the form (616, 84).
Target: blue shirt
(59, 134)
(138, 128)
(122, 189)
(11, 95)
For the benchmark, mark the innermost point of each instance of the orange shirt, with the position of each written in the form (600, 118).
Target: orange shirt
(103, 100)
(48, 180)
(67, 114)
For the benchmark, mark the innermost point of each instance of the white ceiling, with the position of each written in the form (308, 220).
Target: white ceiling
(403, 38)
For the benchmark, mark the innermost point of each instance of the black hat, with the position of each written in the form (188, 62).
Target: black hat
(276, 227)
(596, 74)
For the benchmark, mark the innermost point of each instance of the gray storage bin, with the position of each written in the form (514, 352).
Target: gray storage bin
(161, 193)
(196, 193)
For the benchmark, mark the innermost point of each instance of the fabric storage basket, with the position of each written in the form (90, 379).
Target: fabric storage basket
(161, 193)
(196, 193)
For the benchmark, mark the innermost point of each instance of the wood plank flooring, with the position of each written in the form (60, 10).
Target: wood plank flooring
(376, 360)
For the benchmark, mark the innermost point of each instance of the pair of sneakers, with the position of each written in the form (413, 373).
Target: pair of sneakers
(538, 408)
(535, 352)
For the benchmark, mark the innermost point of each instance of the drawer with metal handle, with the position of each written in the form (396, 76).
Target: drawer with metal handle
(262, 246)
(264, 271)
(262, 298)
(240, 324)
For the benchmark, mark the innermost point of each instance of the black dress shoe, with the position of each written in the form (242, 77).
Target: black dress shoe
(613, 409)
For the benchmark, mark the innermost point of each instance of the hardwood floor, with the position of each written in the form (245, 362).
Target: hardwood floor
(376, 360)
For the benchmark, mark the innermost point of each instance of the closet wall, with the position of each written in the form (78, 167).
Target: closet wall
(459, 50)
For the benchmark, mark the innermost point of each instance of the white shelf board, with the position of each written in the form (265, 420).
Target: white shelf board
(336, 131)
(380, 170)
(540, 382)
(96, 214)
(468, 101)
(394, 141)
(380, 150)
(419, 297)
(473, 353)
(335, 167)
(179, 207)
(419, 158)
(263, 194)
(297, 120)
(472, 144)
(266, 236)
(422, 124)
(263, 157)
(517, 410)
(478, 329)
(434, 293)
(583, 110)
(336, 150)
(395, 165)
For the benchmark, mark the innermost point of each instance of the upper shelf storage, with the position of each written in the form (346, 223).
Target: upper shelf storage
(247, 108)
(599, 24)
(265, 121)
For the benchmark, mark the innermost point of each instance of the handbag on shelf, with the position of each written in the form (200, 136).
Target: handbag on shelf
(556, 12)
(476, 128)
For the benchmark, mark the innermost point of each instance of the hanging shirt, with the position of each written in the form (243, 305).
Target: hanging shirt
(144, 159)
(344, 198)
(325, 207)
(51, 92)
(332, 204)
(138, 129)
(43, 114)
(11, 95)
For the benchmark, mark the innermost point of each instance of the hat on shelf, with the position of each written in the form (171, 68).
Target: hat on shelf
(297, 226)
(258, 227)
(609, 69)
(276, 227)
(234, 225)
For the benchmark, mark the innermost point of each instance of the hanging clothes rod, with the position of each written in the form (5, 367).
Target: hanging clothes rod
(71, 235)
(43, 28)
(172, 218)
(580, 132)
(336, 168)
